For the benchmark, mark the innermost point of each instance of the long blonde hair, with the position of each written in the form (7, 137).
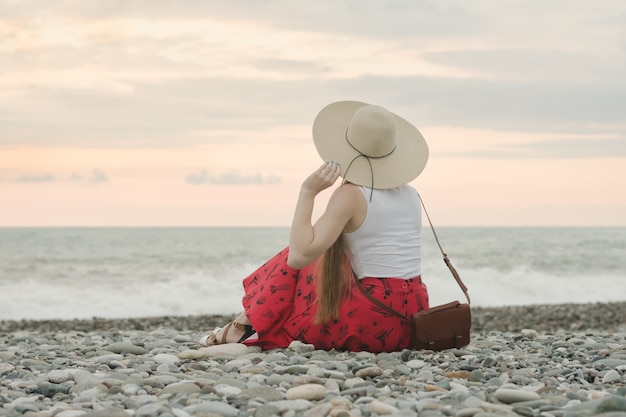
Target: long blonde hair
(332, 282)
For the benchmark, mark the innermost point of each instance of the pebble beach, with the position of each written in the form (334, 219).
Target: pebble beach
(546, 360)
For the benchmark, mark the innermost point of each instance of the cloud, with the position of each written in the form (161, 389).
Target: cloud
(552, 149)
(573, 148)
(230, 178)
(96, 176)
(92, 74)
(525, 64)
(146, 119)
(36, 178)
(197, 178)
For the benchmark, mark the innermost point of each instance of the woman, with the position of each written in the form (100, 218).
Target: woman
(369, 231)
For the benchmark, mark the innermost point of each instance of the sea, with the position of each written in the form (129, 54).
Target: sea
(81, 273)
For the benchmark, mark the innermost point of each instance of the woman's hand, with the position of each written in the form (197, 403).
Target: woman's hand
(322, 178)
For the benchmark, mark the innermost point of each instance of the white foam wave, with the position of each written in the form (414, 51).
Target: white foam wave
(184, 295)
(200, 293)
(492, 288)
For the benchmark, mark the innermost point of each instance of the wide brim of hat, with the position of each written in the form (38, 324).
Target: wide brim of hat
(400, 167)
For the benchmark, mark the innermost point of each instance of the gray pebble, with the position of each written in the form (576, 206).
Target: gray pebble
(162, 373)
(125, 348)
(611, 376)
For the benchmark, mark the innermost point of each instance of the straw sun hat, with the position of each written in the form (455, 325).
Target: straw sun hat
(374, 147)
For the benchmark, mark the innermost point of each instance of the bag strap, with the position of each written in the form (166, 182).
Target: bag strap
(375, 301)
(455, 274)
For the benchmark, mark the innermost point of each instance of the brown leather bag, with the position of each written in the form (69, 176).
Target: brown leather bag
(441, 327)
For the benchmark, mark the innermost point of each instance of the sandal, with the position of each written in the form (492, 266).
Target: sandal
(211, 338)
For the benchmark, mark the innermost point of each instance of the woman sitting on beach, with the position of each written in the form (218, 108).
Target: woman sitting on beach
(369, 231)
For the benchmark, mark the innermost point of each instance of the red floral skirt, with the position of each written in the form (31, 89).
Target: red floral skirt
(280, 302)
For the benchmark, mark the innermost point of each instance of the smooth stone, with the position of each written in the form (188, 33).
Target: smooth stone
(510, 395)
(227, 350)
(278, 379)
(122, 347)
(105, 412)
(263, 391)
(320, 410)
(39, 365)
(332, 385)
(299, 347)
(166, 358)
(317, 371)
(130, 389)
(610, 363)
(307, 379)
(382, 408)
(297, 369)
(25, 407)
(296, 405)
(162, 379)
(457, 374)
(239, 363)
(533, 403)
(353, 382)
(23, 400)
(5, 368)
(583, 408)
(306, 392)
(360, 390)
(48, 389)
(500, 414)
(253, 370)
(403, 369)
(370, 372)
(146, 398)
(611, 376)
(79, 389)
(476, 375)
(336, 375)
(523, 410)
(183, 387)
(228, 390)
(59, 376)
(71, 413)
(214, 407)
(166, 367)
(150, 410)
(468, 412)
(415, 364)
(108, 358)
(5, 356)
(611, 414)
(180, 338)
(267, 410)
(529, 333)
(84, 377)
(233, 382)
(612, 403)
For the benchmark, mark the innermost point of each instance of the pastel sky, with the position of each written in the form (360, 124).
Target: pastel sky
(199, 113)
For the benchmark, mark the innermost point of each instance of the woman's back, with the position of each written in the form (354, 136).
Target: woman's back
(388, 242)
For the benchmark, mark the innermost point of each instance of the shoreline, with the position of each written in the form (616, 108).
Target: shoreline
(546, 318)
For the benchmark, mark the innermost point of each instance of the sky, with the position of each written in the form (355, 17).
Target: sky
(199, 113)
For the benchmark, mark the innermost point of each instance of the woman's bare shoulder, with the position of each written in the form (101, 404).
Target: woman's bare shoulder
(349, 189)
(347, 194)
(352, 202)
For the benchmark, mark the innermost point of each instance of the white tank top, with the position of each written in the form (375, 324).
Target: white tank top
(388, 243)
